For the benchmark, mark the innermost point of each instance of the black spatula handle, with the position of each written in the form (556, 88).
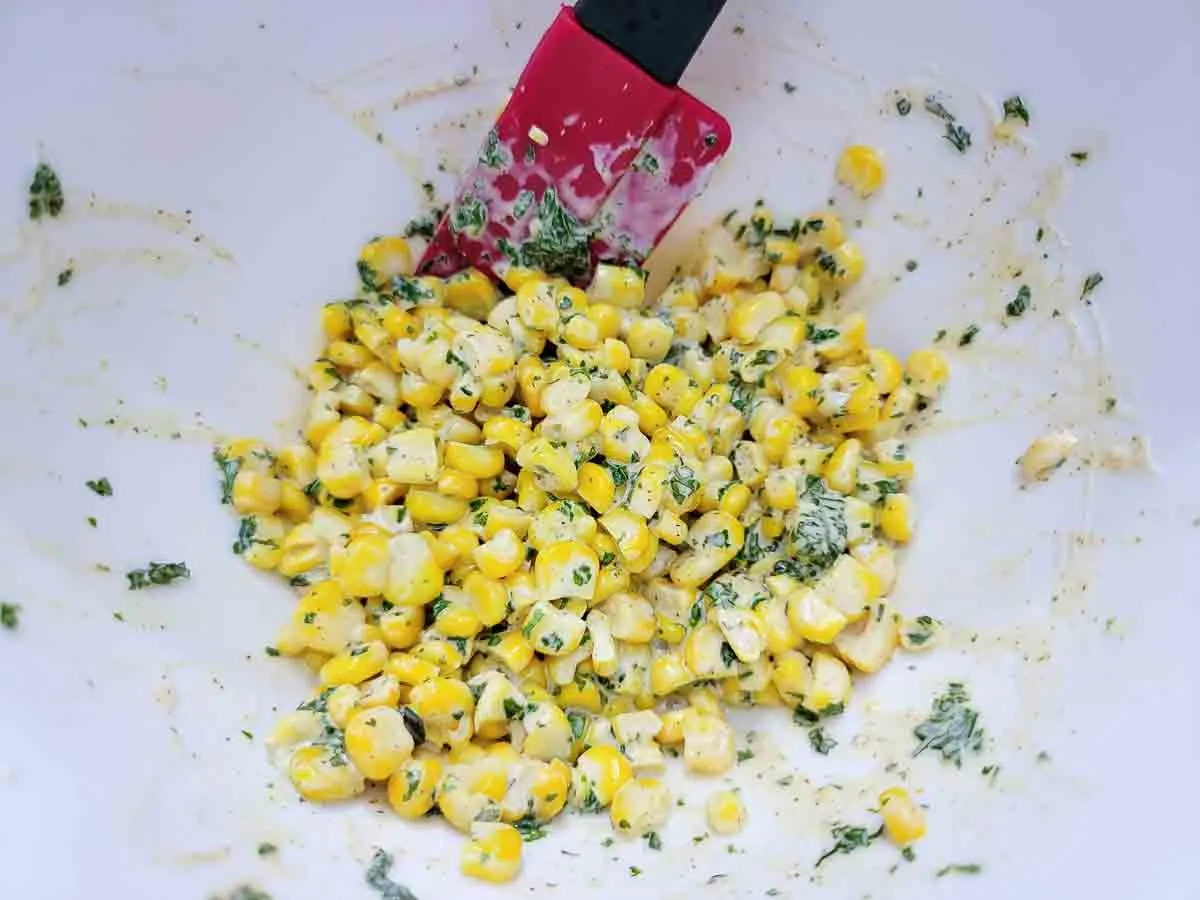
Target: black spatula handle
(661, 36)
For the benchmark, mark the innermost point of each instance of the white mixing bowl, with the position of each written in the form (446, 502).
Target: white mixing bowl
(222, 164)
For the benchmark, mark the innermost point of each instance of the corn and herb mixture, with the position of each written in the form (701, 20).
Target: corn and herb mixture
(544, 534)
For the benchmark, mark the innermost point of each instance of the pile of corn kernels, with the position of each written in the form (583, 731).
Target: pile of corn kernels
(543, 534)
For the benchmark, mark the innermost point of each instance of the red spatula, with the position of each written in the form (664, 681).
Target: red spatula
(597, 151)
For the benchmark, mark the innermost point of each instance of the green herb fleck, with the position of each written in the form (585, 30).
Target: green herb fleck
(91, 520)
(849, 838)
(582, 575)
(560, 244)
(493, 155)
(960, 869)
(229, 470)
(470, 216)
(101, 486)
(968, 336)
(1014, 108)
(156, 573)
(743, 755)
(653, 841)
(377, 878)
(1090, 284)
(729, 658)
(530, 828)
(789, 88)
(272, 651)
(683, 483)
(247, 529)
(952, 727)
(1019, 305)
(821, 742)
(903, 106)
(513, 709)
(634, 871)
(65, 276)
(10, 616)
(817, 335)
(45, 193)
(1079, 157)
(267, 849)
(958, 136)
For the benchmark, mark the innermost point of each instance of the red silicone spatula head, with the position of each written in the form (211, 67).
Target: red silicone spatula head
(591, 159)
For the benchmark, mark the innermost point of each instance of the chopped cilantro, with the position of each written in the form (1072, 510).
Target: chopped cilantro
(65, 276)
(968, 336)
(377, 878)
(45, 193)
(1019, 305)
(849, 838)
(1014, 108)
(959, 869)
(101, 486)
(157, 573)
(903, 106)
(821, 742)
(952, 727)
(10, 616)
(229, 470)
(1090, 284)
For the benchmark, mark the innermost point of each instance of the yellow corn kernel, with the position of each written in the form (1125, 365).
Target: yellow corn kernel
(860, 168)
(256, 492)
(752, 314)
(903, 819)
(640, 805)
(886, 370)
(618, 286)
(507, 433)
(814, 618)
(411, 789)
(669, 673)
(455, 619)
(791, 676)
(513, 650)
(455, 483)
(599, 773)
(384, 258)
(488, 598)
(649, 338)
(501, 556)
(708, 746)
(734, 500)
(830, 684)
(362, 568)
(896, 517)
(320, 774)
(1046, 455)
(672, 388)
(552, 466)
(260, 540)
(631, 618)
(547, 729)
(412, 456)
(927, 372)
(537, 305)
(471, 293)
(477, 461)
(402, 627)
(779, 490)
(629, 531)
(447, 708)
(493, 854)
(414, 577)
(725, 812)
(434, 508)
(378, 742)
(596, 486)
(335, 321)
(356, 664)
(841, 471)
(566, 569)
(801, 387)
